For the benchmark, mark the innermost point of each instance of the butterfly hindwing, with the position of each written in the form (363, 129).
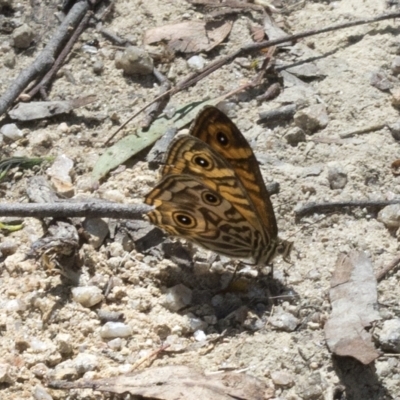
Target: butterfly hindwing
(185, 206)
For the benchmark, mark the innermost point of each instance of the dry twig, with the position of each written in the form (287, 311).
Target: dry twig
(311, 208)
(66, 209)
(381, 274)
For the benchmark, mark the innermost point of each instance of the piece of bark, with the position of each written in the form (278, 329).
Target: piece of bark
(354, 299)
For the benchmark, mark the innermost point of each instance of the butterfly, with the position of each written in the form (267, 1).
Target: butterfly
(211, 192)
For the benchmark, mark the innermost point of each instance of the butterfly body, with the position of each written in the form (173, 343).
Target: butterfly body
(212, 193)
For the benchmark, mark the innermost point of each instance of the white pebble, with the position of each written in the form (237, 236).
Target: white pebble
(177, 297)
(111, 330)
(15, 305)
(85, 362)
(284, 322)
(87, 296)
(200, 336)
(196, 324)
(40, 393)
(115, 344)
(196, 62)
(11, 132)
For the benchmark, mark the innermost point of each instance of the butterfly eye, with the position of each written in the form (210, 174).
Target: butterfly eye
(184, 220)
(222, 139)
(202, 162)
(211, 199)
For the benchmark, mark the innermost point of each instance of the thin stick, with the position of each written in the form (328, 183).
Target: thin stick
(197, 76)
(311, 208)
(42, 85)
(381, 274)
(70, 210)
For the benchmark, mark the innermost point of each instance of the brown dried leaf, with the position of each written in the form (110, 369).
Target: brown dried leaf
(353, 297)
(176, 382)
(190, 36)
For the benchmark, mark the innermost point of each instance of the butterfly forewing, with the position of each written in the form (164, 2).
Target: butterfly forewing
(213, 127)
(189, 155)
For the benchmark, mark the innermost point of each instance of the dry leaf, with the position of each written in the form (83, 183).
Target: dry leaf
(177, 382)
(190, 36)
(353, 297)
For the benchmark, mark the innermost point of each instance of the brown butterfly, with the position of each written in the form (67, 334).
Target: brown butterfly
(212, 193)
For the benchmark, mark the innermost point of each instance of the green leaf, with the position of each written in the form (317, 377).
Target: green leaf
(130, 145)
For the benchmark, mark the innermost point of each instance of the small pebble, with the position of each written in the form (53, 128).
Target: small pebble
(40, 370)
(111, 330)
(85, 362)
(134, 60)
(6, 375)
(60, 175)
(295, 136)
(64, 343)
(89, 49)
(11, 132)
(396, 98)
(15, 305)
(41, 143)
(196, 323)
(23, 36)
(380, 80)
(337, 178)
(87, 296)
(63, 127)
(390, 216)
(8, 247)
(115, 344)
(389, 337)
(196, 62)
(395, 67)
(282, 378)
(177, 297)
(284, 322)
(39, 346)
(9, 61)
(40, 393)
(98, 67)
(96, 230)
(395, 130)
(62, 373)
(200, 336)
(311, 119)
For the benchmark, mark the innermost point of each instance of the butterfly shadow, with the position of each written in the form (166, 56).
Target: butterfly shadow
(358, 381)
(236, 296)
